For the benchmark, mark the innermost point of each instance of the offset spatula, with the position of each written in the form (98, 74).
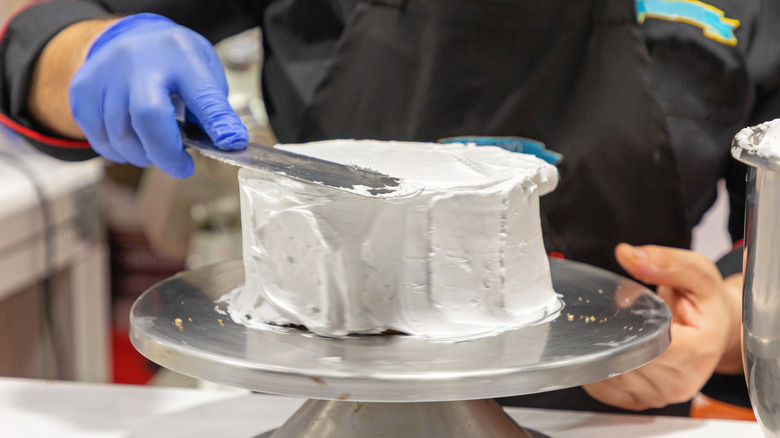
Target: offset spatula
(302, 167)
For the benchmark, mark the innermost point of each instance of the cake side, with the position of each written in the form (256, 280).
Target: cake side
(463, 259)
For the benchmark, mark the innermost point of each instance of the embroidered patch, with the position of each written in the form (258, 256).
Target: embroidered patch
(710, 19)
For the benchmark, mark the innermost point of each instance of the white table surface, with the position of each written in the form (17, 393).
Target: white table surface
(38, 409)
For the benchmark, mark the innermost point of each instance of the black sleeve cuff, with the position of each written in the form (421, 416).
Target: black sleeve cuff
(22, 39)
(730, 263)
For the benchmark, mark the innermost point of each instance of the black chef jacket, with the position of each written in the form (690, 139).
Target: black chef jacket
(643, 114)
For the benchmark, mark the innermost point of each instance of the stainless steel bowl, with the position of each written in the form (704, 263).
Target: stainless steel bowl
(759, 147)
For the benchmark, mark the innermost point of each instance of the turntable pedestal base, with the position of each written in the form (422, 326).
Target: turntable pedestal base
(455, 419)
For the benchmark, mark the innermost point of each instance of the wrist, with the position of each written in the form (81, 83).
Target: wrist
(731, 361)
(125, 25)
(47, 100)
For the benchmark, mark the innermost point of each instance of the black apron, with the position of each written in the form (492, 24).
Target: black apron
(570, 73)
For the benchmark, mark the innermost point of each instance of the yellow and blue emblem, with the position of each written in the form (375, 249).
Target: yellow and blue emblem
(711, 20)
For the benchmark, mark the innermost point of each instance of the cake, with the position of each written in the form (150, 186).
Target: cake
(463, 259)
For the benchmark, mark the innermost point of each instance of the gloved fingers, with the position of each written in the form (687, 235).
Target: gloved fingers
(190, 118)
(153, 118)
(119, 127)
(215, 66)
(98, 141)
(85, 96)
(203, 89)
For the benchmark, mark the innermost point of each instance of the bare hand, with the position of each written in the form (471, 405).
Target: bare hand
(705, 322)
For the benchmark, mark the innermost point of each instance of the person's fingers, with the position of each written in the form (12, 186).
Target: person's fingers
(685, 310)
(190, 118)
(204, 90)
(673, 267)
(153, 119)
(673, 377)
(669, 384)
(608, 393)
(119, 127)
(85, 97)
(633, 391)
(688, 363)
(689, 344)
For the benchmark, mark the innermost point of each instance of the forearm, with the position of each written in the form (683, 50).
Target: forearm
(48, 96)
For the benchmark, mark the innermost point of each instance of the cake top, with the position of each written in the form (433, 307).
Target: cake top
(437, 166)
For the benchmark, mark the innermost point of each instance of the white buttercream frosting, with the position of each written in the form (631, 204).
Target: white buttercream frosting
(465, 258)
(762, 140)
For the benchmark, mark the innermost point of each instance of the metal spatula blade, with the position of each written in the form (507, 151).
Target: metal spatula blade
(350, 179)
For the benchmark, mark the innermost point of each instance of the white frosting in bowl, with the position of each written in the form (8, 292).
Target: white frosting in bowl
(465, 258)
(762, 141)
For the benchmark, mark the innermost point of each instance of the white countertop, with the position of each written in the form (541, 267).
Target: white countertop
(45, 409)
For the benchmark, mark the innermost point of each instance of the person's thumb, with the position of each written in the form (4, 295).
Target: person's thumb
(204, 92)
(676, 268)
(217, 118)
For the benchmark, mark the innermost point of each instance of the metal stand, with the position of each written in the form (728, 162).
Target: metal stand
(402, 386)
(457, 419)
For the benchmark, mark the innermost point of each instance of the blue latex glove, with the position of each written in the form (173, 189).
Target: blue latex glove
(121, 97)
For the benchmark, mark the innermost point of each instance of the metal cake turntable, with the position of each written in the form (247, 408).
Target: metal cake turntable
(400, 386)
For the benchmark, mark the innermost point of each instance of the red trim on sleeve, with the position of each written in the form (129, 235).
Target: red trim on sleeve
(37, 136)
(738, 244)
(27, 132)
(555, 255)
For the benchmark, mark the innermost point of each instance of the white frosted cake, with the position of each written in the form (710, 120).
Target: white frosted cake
(463, 259)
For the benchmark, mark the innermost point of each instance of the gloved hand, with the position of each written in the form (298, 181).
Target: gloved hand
(121, 97)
